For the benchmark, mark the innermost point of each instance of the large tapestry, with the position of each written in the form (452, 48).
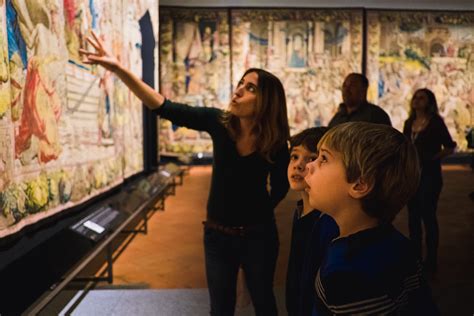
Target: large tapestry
(311, 51)
(411, 50)
(194, 69)
(5, 131)
(69, 131)
(4, 69)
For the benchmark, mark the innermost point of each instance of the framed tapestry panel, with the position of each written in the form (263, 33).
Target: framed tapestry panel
(194, 69)
(68, 131)
(310, 50)
(408, 50)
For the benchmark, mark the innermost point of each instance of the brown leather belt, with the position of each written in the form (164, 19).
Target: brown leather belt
(228, 230)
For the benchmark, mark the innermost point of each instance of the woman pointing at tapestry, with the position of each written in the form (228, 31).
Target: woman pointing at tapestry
(250, 145)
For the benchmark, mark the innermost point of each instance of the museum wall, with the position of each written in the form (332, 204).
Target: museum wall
(379, 4)
(205, 51)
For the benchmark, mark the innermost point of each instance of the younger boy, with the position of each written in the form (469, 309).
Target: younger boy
(365, 173)
(312, 231)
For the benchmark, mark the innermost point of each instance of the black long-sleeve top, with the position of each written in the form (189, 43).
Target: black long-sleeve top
(310, 237)
(238, 194)
(430, 141)
(366, 112)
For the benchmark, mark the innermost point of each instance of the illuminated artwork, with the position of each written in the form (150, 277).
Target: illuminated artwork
(68, 131)
(4, 68)
(411, 50)
(311, 51)
(195, 69)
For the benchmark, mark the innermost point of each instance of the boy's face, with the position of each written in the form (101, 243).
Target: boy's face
(327, 183)
(299, 157)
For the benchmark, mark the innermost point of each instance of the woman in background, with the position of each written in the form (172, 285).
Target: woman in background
(428, 132)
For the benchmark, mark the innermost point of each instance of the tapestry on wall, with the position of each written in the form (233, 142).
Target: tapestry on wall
(69, 131)
(5, 106)
(311, 51)
(411, 50)
(194, 69)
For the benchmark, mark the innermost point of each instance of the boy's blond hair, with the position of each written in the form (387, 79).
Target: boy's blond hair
(382, 157)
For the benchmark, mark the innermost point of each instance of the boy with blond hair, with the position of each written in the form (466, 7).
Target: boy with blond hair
(363, 176)
(312, 231)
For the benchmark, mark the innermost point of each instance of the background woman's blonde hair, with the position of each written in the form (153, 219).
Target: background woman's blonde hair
(271, 119)
(382, 157)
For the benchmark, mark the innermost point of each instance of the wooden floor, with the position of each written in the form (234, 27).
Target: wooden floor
(171, 255)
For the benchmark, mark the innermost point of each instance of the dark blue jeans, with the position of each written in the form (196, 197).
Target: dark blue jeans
(256, 252)
(422, 209)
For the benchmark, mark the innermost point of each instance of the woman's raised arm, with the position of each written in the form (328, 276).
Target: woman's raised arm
(151, 98)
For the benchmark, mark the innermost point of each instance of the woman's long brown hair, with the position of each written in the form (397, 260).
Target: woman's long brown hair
(271, 128)
(432, 108)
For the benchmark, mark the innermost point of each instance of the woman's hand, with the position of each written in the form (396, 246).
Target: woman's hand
(443, 153)
(101, 56)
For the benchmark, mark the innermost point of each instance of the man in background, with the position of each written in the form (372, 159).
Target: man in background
(355, 106)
